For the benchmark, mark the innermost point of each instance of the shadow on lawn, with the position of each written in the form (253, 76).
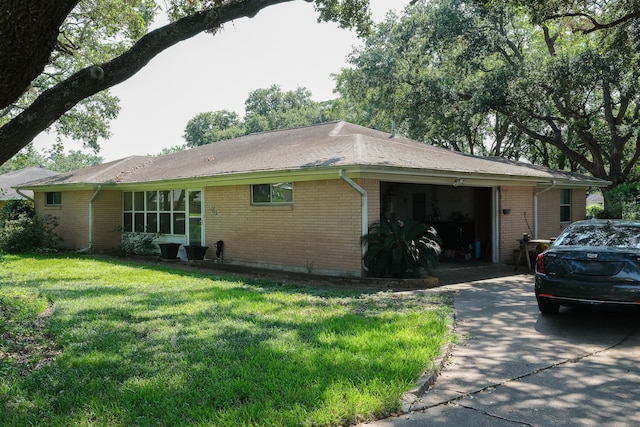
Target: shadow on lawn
(197, 348)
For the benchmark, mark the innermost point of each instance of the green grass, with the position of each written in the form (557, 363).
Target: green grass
(119, 344)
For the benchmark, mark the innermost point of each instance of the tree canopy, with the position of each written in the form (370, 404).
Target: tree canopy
(488, 80)
(585, 16)
(60, 58)
(54, 159)
(212, 126)
(266, 109)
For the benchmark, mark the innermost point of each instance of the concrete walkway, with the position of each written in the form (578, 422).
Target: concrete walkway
(515, 367)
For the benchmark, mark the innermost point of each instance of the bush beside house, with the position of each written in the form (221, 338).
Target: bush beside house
(22, 231)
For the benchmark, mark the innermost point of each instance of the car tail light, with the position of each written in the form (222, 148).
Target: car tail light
(540, 263)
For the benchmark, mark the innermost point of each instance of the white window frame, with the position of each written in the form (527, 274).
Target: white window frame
(565, 205)
(272, 191)
(53, 193)
(174, 212)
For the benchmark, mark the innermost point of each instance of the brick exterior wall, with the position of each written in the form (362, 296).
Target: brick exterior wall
(513, 225)
(520, 201)
(549, 224)
(578, 204)
(549, 211)
(107, 219)
(320, 232)
(372, 187)
(73, 218)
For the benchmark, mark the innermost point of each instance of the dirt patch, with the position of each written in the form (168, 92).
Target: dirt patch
(25, 344)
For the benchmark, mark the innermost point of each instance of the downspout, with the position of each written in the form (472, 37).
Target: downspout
(535, 206)
(496, 227)
(25, 196)
(365, 209)
(93, 197)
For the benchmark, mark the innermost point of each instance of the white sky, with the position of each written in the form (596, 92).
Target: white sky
(282, 45)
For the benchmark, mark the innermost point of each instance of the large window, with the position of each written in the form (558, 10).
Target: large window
(163, 211)
(266, 194)
(565, 205)
(53, 198)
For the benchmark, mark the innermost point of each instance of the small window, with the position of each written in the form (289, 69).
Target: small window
(281, 193)
(565, 205)
(53, 198)
(260, 193)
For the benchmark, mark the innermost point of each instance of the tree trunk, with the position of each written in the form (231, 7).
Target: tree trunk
(29, 34)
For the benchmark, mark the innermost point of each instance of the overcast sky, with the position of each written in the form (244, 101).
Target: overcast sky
(282, 45)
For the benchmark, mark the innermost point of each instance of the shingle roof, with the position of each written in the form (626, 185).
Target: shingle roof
(16, 178)
(328, 145)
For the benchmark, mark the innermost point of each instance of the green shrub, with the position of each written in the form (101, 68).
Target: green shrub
(28, 233)
(14, 208)
(138, 244)
(401, 249)
(623, 201)
(595, 211)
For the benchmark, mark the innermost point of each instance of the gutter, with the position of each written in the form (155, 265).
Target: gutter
(93, 197)
(535, 206)
(365, 206)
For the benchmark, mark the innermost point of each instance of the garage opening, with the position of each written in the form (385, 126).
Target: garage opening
(461, 215)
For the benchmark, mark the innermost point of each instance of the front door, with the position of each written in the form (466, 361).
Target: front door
(194, 218)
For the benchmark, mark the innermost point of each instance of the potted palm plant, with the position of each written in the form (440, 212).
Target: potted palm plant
(401, 249)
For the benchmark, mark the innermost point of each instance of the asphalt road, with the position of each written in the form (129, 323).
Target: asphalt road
(515, 367)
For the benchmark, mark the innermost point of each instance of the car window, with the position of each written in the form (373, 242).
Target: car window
(611, 235)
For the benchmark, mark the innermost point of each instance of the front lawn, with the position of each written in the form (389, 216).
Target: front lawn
(93, 342)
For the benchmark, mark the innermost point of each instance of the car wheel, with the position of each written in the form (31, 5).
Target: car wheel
(547, 307)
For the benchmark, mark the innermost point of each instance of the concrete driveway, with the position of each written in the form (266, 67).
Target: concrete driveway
(514, 367)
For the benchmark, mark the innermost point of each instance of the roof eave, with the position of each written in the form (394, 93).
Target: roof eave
(395, 174)
(58, 187)
(474, 179)
(256, 177)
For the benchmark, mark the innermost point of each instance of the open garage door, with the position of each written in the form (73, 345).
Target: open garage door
(461, 215)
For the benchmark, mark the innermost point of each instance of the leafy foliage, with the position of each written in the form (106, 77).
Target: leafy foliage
(93, 32)
(138, 244)
(484, 80)
(212, 126)
(54, 159)
(271, 109)
(28, 233)
(27, 157)
(401, 249)
(64, 162)
(426, 69)
(347, 13)
(584, 16)
(624, 202)
(60, 60)
(14, 208)
(266, 109)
